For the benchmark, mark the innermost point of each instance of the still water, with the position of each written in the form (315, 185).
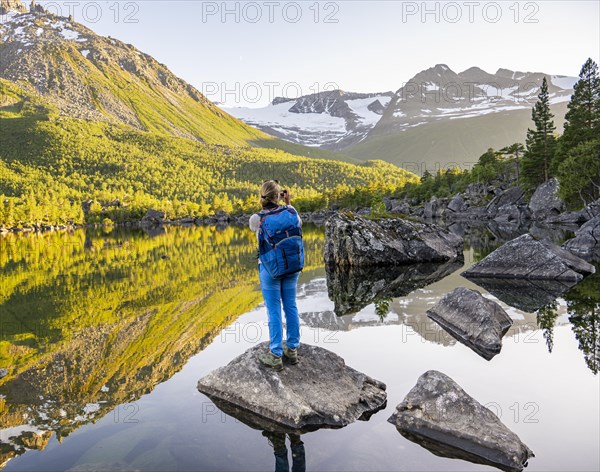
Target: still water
(104, 335)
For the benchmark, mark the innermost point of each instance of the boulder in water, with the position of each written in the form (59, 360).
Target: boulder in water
(473, 320)
(526, 258)
(320, 391)
(586, 243)
(355, 241)
(438, 414)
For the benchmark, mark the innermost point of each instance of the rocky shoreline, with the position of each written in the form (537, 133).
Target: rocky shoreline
(502, 205)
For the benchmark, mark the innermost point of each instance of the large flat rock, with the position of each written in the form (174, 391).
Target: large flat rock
(438, 414)
(320, 391)
(473, 320)
(527, 258)
(351, 240)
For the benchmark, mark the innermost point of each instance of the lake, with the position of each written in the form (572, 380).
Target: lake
(105, 333)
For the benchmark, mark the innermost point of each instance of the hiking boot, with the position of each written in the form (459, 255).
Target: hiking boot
(271, 360)
(291, 355)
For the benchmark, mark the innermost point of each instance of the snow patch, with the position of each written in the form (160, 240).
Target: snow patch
(85, 52)
(282, 120)
(360, 107)
(564, 82)
(69, 34)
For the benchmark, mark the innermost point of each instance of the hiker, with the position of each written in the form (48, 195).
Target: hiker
(280, 260)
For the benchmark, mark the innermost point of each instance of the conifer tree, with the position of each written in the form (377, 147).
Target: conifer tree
(582, 121)
(541, 143)
(515, 149)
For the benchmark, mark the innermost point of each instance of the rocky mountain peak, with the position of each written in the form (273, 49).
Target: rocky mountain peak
(35, 8)
(477, 75)
(506, 73)
(438, 74)
(7, 6)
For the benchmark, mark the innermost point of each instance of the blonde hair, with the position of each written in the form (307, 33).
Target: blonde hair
(269, 193)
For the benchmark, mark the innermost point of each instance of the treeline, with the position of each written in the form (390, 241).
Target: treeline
(57, 170)
(573, 157)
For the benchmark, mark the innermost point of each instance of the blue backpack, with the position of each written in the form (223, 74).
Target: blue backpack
(280, 245)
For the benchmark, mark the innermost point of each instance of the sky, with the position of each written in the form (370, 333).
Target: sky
(247, 53)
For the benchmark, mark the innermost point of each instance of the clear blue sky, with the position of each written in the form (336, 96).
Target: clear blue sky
(363, 46)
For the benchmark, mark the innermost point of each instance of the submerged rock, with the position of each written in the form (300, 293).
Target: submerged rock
(473, 320)
(351, 289)
(525, 257)
(351, 240)
(444, 419)
(586, 243)
(320, 391)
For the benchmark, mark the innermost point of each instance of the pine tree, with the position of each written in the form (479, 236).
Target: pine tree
(541, 143)
(515, 150)
(582, 121)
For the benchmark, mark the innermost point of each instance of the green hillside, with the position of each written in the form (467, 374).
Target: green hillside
(51, 163)
(450, 142)
(103, 79)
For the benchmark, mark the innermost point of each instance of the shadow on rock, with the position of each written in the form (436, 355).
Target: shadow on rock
(351, 289)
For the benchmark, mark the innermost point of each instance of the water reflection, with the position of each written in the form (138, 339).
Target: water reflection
(94, 319)
(275, 434)
(523, 294)
(277, 442)
(442, 449)
(352, 289)
(583, 305)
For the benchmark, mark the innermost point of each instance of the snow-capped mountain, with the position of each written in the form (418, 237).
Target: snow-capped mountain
(439, 93)
(437, 116)
(330, 120)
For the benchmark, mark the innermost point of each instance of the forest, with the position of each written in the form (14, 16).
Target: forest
(54, 166)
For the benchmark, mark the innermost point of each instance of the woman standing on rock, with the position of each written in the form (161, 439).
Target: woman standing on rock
(280, 260)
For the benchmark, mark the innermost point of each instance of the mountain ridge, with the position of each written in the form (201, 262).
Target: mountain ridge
(496, 105)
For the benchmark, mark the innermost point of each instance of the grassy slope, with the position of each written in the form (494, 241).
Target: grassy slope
(40, 150)
(123, 84)
(450, 142)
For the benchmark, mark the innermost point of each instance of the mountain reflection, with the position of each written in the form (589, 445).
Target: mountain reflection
(94, 319)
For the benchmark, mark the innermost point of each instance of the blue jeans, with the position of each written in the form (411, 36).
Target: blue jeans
(276, 291)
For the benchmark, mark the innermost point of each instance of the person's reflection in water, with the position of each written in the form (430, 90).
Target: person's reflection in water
(277, 442)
